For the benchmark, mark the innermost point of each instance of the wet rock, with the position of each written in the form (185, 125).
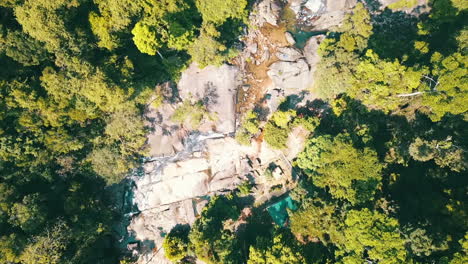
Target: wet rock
(288, 54)
(289, 38)
(290, 75)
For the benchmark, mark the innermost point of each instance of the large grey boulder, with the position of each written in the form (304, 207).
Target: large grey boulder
(333, 14)
(290, 75)
(311, 54)
(288, 54)
(216, 87)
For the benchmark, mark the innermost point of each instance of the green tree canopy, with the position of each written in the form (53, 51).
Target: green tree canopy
(176, 243)
(281, 249)
(449, 86)
(212, 243)
(318, 221)
(444, 152)
(346, 172)
(218, 11)
(373, 234)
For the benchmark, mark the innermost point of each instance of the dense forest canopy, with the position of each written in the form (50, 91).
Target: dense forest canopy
(75, 78)
(382, 177)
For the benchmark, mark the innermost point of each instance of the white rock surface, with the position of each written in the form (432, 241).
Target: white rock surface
(333, 14)
(314, 6)
(171, 192)
(321, 14)
(289, 38)
(296, 5)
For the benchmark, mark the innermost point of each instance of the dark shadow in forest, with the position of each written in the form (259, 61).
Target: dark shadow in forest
(394, 34)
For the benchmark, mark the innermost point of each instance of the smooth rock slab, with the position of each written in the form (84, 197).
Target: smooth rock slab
(290, 75)
(216, 87)
(288, 54)
(172, 190)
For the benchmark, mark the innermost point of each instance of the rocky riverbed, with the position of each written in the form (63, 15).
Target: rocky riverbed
(187, 165)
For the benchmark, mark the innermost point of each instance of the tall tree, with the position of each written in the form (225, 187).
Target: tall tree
(346, 172)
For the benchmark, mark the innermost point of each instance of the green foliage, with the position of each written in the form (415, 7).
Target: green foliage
(243, 137)
(340, 55)
(392, 75)
(23, 48)
(211, 242)
(421, 244)
(449, 92)
(249, 127)
(462, 256)
(29, 215)
(356, 29)
(206, 50)
(250, 122)
(127, 128)
(444, 153)
(146, 38)
(276, 137)
(373, 234)
(194, 114)
(176, 243)
(348, 173)
(218, 11)
(73, 88)
(318, 221)
(108, 163)
(309, 123)
(48, 247)
(245, 188)
(280, 249)
(401, 4)
(383, 83)
(46, 21)
(10, 249)
(282, 119)
(101, 27)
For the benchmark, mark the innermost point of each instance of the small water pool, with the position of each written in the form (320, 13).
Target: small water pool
(301, 37)
(278, 211)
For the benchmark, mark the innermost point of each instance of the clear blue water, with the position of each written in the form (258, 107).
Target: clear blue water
(301, 37)
(278, 211)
